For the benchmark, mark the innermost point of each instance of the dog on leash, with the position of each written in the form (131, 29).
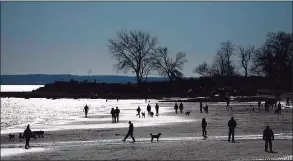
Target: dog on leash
(11, 136)
(39, 133)
(155, 136)
(143, 114)
(152, 114)
(187, 113)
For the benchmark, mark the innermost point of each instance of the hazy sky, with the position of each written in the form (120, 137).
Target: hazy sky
(72, 37)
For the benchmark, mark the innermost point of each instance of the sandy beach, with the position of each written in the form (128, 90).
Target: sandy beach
(96, 138)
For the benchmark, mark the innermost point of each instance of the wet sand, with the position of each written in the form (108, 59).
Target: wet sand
(181, 137)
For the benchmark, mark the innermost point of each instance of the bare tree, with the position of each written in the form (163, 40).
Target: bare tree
(204, 70)
(133, 51)
(166, 66)
(245, 57)
(223, 59)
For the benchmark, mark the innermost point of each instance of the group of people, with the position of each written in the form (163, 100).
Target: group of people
(180, 107)
(115, 114)
(149, 109)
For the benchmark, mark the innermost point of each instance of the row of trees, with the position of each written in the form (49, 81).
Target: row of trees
(273, 59)
(140, 53)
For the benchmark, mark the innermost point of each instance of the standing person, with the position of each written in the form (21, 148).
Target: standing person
(117, 112)
(268, 136)
(279, 108)
(181, 107)
(228, 102)
(231, 124)
(27, 136)
(149, 108)
(157, 109)
(259, 103)
(200, 107)
(176, 108)
(130, 132)
(287, 102)
(113, 115)
(85, 110)
(138, 111)
(204, 126)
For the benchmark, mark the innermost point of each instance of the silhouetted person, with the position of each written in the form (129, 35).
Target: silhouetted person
(279, 108)
(157, 109)
(204, 126)
(176, 108)
(266, 105)
(206, 109)
(86, 109)
(117, 112)
(200, 107)
(252, 108)
(149, 108)
(259, 103)
(113, 115)
(138, 111)
(231, 124)
(181, 107)
(287, 102)
(130, 132)
(268, 136)
(228, 102)
(27, 136)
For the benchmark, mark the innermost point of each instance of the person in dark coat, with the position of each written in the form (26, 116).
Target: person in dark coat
(259, 103)
(268, 136)
(130, 132)
(27, 134)
(231, 124)
(149, 108)
(228, 102)
(157, 109)
(176, 108)
(86, 109)
(117, 112)
(200, 107)
(181, 107)
(279, 108)
(204, 126)
(138, 111)
(113, 115)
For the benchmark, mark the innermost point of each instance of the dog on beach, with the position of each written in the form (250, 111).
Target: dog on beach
(152, 114)
(143, 114)
(39, 133)
(155, 136)
(11, 136)
(187, 113)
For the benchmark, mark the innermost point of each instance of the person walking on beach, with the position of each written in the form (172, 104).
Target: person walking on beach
(228, 102)
(149, 108)
(138, 111)
(268, 136)
(204, 126)
(279, 108)
(181, 107)
(231, 124)
(176, 108)
(259, 103)
(200, 108)
(117, 112)
(27, 136)
(157, 109)
(130, 132)
(85, 110)
(113, 115)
